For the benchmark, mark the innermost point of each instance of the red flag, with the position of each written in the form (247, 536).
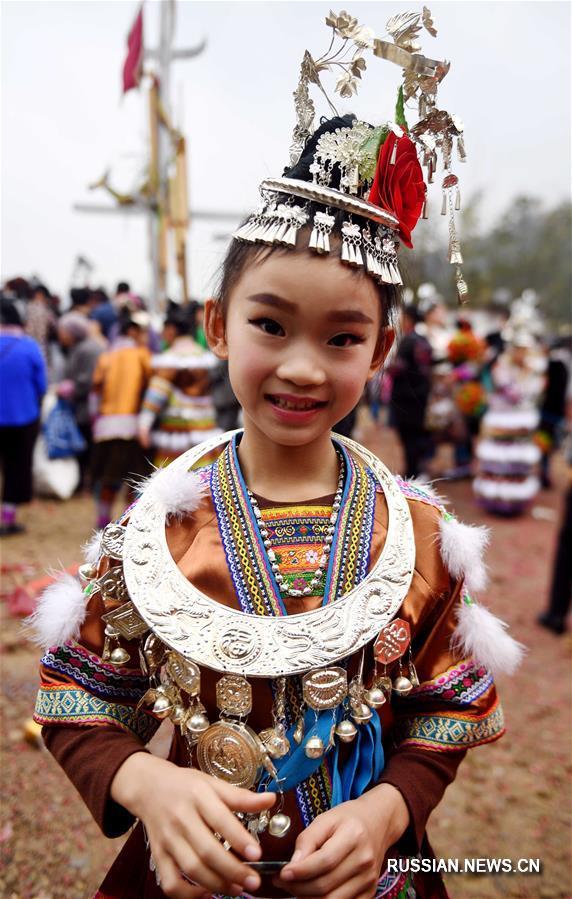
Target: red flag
(133, 65)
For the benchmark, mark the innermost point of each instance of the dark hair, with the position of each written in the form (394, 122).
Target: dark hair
(179, 318)
(123, 287)
(99, 295)
(412, 313)
(41, 288)
(79, 296)
(240, 254)
(9, 314)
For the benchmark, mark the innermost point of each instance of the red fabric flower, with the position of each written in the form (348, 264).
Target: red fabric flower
(399, 188)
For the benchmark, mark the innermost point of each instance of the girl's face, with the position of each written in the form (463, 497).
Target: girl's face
(302, 337)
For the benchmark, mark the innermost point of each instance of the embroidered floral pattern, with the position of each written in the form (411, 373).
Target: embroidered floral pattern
(461, 684)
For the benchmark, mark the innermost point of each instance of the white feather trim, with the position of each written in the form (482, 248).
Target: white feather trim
(482, 636)
(178, 493)
(462, 548)
(92, 548)
(60, 613)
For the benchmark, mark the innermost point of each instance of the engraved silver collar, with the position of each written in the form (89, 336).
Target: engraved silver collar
(210, 634)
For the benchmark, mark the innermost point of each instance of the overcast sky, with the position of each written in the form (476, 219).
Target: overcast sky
(63, 122)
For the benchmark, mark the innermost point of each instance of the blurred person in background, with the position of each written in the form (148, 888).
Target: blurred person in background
(178, 410)
(198, 331)
(103, 312)
(508, 455)
(125, 298)
(466, 354)
(411, 377)
(436, 329)
(554, 618)
(553, 407)
(23, 383)
(40, 320)
(120, 379)
(82, 351)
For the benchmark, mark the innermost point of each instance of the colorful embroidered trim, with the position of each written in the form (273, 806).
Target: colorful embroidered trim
(297, 537)
(88, 671)
(395, 886)
(461, 684)
(69, 705)
(253, 579)
(297, 530)
(451, 732)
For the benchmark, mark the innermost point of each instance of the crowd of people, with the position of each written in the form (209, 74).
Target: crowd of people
(141, 393)
(499, 398)
(105, 387)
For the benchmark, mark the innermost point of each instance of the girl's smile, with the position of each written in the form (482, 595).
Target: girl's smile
(302, 335)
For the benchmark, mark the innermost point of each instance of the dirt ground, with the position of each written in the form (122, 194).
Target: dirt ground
(511, 799)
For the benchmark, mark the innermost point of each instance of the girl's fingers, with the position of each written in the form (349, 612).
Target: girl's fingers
(218, 817)
(319, 848)
(171, 882)
(240, 800)
(208, 863)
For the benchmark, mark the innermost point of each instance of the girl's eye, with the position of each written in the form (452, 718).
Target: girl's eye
(268, 326)
(344, 340)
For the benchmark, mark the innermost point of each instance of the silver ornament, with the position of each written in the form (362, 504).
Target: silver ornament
(119, 656)
(375, 697)
(279, 825)
(346, 731)
(197, 723)
(402, 686)
(361, 713)
(314, 748)
(162, 707)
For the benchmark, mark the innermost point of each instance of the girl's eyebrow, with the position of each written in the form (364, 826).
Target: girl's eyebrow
(338, 315)
(270, 299)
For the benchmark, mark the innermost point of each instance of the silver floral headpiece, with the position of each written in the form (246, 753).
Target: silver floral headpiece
(354, 168)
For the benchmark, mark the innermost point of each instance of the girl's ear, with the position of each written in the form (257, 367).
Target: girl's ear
(215, 330)
(382, 349)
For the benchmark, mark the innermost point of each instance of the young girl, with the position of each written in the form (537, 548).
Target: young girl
(302, 617)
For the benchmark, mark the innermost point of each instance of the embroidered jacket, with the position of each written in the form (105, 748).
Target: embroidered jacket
(92, 722)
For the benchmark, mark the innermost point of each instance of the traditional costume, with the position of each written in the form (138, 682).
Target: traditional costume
(508, 456)
(312, 649)
(178, 408)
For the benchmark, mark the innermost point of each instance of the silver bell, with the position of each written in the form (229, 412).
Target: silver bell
(346, 731)
(87, 572)
(375, 697)
(402, 686)
(197, 723)
(361, 713)
(162, 707)
(177, 714)
(314, 748)
(119, 656)
(276, 744)
(279, 825)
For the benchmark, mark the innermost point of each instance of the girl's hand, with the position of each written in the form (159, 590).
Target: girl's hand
(341, 853)
(182, 809)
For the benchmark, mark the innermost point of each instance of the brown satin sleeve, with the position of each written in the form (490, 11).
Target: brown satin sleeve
(91, 757)
(422, 778)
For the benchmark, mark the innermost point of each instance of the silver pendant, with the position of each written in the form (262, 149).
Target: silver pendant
(232, 752)
(208, 633)
(325, 689)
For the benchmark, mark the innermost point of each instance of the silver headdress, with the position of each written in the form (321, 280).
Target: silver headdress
(373, 175)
